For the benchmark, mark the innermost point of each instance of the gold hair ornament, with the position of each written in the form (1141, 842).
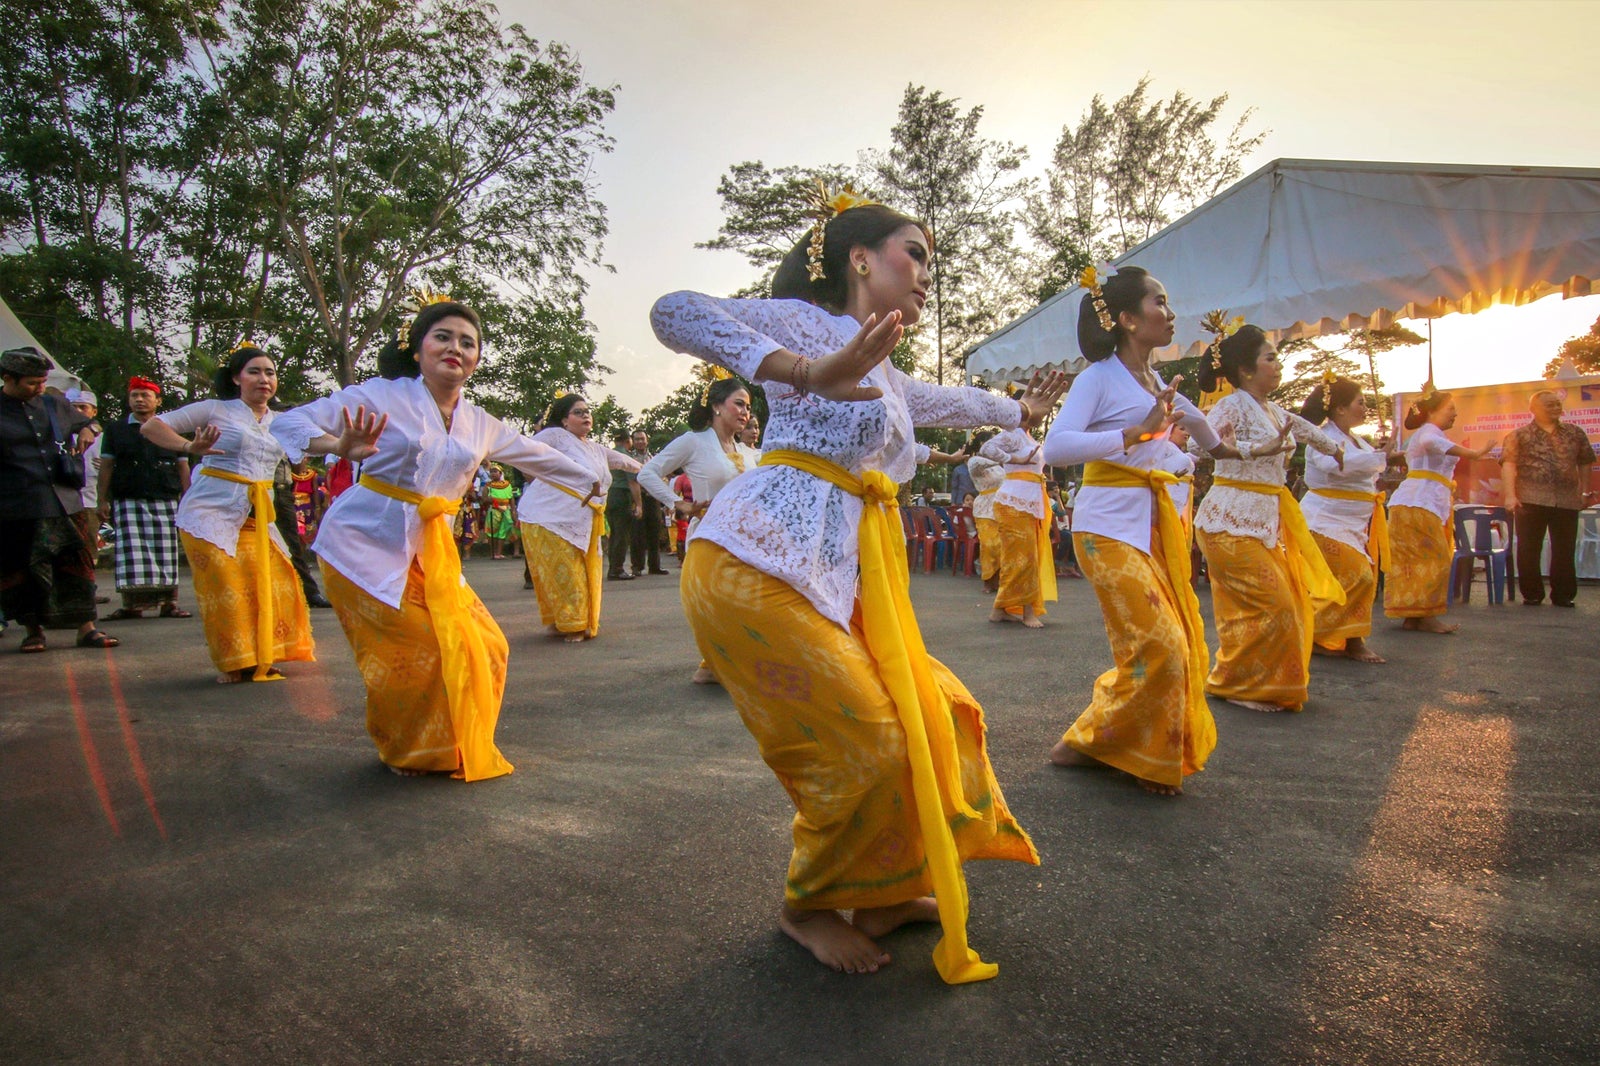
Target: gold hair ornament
(1090, 279)
(241, 346)
(717, 374)
(1222, 328)
(826, 207)
(1329, 380)
(412, 307)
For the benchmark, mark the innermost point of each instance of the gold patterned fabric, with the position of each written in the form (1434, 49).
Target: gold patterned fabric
(409, 716)
(568, 599)
(1358, 576)
(225, 588)
(1141, 718)
(814, 699)
(1263, 636)
(1417, 584)
(988, 548)
(1019, 561)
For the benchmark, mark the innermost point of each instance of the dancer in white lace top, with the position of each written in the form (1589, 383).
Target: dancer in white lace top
(770, 585)
(251, 601)
(987, 477)
(1022, 519)
(1265, 569)
(1344, 510)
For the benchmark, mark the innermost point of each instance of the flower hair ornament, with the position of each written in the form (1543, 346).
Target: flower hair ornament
(1090, 279)
(1221, 328)
(717, 374)
(826, 207)
(413, 306)
(1329, 379)
(1419, 405)
(245, 345)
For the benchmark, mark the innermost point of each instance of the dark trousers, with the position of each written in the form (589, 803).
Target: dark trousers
(645, 543)
(619, 517)
(47, 570)
(304, 567)
(1533, 521)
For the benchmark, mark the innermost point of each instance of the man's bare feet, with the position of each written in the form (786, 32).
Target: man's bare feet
(704, 675)
(1064, 755)
(1428, 625)
(1258, 705)
(1156, 788)
(1356, 648)
(403, 772)
(836, 943)
(880, 921)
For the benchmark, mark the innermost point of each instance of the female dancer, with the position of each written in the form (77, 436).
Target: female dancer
(710, 455)
(433, 659)
(251, 601)
(1344, 511)
(1148, 715)
(1265, 568)
(1022, 520)
(561, 527)
(878, 745)
(499, 513)
(1420, 537)
(987, 477)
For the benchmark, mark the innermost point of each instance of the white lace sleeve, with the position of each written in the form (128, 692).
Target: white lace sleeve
(739, 334)
(297, 428)
(956, 406)
(1310, 435)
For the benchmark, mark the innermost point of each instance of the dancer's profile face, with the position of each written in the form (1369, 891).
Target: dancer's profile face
(1445, 416)
(448, 352)
(897, 277)
(1153, 321)
(1268, 371)
(1351, 414)
(257, 381)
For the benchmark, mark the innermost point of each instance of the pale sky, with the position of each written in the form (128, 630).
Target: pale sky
(704, 84)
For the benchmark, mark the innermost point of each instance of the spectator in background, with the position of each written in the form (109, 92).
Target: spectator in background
(287, 517)
(646, 547)
(961, 485)
(1545, 468)
(139, 488)
(624, 510)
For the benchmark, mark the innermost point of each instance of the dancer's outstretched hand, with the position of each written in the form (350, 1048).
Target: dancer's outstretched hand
(837, 376)
(204, 438)
(1043, 393)
(358, 439)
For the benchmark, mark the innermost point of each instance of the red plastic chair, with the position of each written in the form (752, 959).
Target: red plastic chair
(966, 541)
(936, 542)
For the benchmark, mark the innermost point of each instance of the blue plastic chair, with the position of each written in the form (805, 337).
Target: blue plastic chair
(1474, 541)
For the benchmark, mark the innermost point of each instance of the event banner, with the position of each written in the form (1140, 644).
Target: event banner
(1487, 413)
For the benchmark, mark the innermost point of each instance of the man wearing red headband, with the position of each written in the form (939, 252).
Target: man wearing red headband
(139, 489)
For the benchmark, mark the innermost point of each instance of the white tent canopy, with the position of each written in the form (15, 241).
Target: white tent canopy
(1304, 247)
(13, 334)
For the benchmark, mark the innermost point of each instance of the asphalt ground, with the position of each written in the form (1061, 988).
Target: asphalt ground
(1407, 872)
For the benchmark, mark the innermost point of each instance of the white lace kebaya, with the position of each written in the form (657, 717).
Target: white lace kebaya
(1428, 449)
(569, 518)
(214, 508)
(1256, 427)
(986, 474)
(1345, 521)
(1018, 452)
(1103, 401)
(780, 520)
(702, 457)
(370, 538)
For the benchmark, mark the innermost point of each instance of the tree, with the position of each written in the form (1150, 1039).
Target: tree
(1368, 344)
(1311, 363)
(765, 213)
(1126, 170)
(1583, 350)
(963, 188)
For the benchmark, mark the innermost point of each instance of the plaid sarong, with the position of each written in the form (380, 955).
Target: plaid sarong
(147, 551)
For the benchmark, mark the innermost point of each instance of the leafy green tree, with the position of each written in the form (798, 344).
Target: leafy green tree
(764, 213)
(1583, 350)
(1310, 362)
(610, 418)
(963, 187)
(1126, 170)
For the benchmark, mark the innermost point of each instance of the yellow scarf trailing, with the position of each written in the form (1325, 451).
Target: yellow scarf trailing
(895, 644)
(265, 514)
(591, 556)
(463, 657)
(1307, 568)
(1047, 559)
(1175, 557)
(1378, 535)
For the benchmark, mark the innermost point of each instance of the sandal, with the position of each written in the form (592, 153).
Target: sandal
(32, 643)
(96, 639)
(172, 610)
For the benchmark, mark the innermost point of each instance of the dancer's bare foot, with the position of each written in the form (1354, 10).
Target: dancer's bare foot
(1356, 648)
(575, 638)
(1258, 705)
(403, 772)
(1156, 788)
(880, 921)
(998, 615)
(1429, 625)
(1318, 649)
(836, 943)
(704, 675)
(1029, 620)
(1064, 755)
(232, 677)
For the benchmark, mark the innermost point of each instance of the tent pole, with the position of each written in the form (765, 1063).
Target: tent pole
(1430, 350)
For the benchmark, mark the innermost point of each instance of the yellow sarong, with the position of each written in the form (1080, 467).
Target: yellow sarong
(472, 683)
(1417, 584)
(1027, 572)
(226, 589)
(1358, 576)
(409, 715)
(591, 557)
(1377, 529)
(265, 514)
(561, 580)
(1263, 622)
(1172, 539)
(988, 548)
(922, 705)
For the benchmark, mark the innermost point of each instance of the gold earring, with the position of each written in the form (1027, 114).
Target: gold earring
(861, 268)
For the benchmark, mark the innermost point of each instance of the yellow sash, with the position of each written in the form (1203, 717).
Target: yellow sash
(1307, 568)
(1175, 559)
(591, 556)
(1378, 532)
(1047, 559)
(988, 492)
(895, 644)
(463, 656)
(265, 514)
(1429, 475)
